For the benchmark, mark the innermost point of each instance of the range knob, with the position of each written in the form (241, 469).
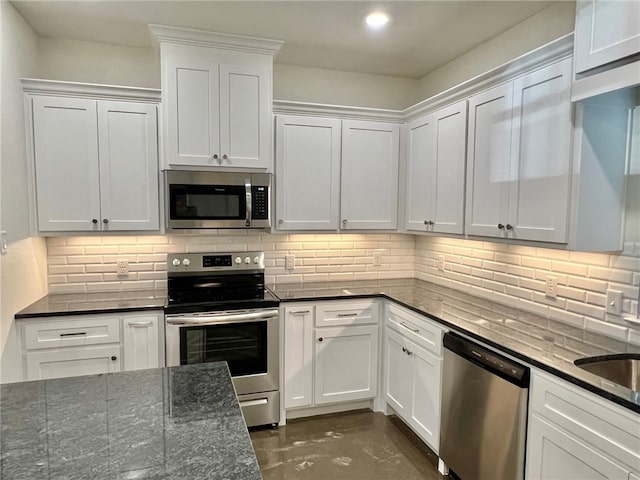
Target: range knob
(238, 260)
(247, 260)
(256, 260)
(186, 262)
(176, 262)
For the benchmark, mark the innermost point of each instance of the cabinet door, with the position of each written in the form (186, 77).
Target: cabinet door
(71, 362)
(447, 188)
(245, 116)
(298, 356)
(141, 342)
(605, 31)
(128, 146)
(66, 164)
(190, 94)
(426, 375)
(541, 155)
(307, 173)
(369, 190)
(420, 170)
(489, 143)
(554, 455)
(397, 381)
(346, 365)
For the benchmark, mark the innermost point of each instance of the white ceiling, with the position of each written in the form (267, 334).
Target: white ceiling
(422, 35)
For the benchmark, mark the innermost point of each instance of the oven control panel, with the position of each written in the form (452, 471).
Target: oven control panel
(203, 262)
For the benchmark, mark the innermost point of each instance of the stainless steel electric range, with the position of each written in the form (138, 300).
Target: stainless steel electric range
(219, 309)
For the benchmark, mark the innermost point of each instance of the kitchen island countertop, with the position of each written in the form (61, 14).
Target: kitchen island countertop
(164, 423)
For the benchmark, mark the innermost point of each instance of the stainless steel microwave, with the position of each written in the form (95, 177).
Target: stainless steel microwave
(217, 200)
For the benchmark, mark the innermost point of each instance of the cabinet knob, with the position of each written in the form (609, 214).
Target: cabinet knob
(509, 227)
(430, 222)
(94, 221)
(426, 222)
(320, 339)
(344, 222)
(501, 226)
(215, 156)
(114, 358)
(404, 349)
(280, 222)
(224, 157)
(105, 220)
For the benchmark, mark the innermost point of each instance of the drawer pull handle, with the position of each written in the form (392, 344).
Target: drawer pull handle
(254, 403)
(299, 312)
(347, 315)
(415, 330)
(77, 334)
(146, 323)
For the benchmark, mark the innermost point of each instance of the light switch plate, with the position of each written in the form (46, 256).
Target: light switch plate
(3, 242)
(290, 262)
(614, 302)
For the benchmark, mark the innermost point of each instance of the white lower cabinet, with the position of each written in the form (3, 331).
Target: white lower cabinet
(346, 363)
(141, 342)
(75, 345)
(576, 435)
(73, 361)
(413, 372)
(330, 352)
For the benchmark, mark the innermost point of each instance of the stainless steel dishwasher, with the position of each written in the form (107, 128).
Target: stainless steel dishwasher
(484, 412)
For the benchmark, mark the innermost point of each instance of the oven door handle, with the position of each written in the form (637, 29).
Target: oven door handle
(214, 319)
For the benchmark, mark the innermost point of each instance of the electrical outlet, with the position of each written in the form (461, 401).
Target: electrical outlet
(551, 287)
(441, 263)
(290, 262)
(377, 259)
(122, 267)
(614, 302)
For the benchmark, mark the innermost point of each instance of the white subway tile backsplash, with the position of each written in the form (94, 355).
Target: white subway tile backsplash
(509, 274)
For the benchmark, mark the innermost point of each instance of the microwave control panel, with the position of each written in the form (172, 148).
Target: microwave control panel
(260, 201)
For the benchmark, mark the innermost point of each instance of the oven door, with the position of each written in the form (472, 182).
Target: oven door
(247, 340)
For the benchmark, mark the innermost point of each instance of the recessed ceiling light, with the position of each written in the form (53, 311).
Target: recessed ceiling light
(377, 20)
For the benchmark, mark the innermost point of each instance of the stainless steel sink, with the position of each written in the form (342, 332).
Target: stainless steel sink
(623, 369)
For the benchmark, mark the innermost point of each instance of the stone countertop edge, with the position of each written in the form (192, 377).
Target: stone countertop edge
(69, 304)
(617, 394)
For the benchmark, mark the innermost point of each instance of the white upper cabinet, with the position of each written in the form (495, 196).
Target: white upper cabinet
(519, 154)
(541, 155)
(217, 95)
(66, 163)
(307, 173)
(488, 158)
(435, 171)
(128, 153)
(606, 31)
(96, 164)
(369, 189)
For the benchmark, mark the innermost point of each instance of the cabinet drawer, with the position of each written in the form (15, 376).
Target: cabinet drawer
(347, 313)
(416, 328)
(611, 429)
(73, 331)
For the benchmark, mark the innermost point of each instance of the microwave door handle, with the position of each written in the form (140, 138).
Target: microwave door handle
(213, 319)
(247, 192)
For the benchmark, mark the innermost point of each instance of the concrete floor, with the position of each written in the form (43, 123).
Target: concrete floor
(359, 445)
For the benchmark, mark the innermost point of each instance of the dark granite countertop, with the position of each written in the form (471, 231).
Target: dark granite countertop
(94, 303)
(544, 343)
(165, 423)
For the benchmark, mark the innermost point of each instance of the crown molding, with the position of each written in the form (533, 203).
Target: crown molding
(284, 107)
(90, 90)
(203, 38)
(546, 54)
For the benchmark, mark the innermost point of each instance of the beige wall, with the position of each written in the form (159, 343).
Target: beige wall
(23, 268)
(547, 25)
(92, 62)
(315, 85)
